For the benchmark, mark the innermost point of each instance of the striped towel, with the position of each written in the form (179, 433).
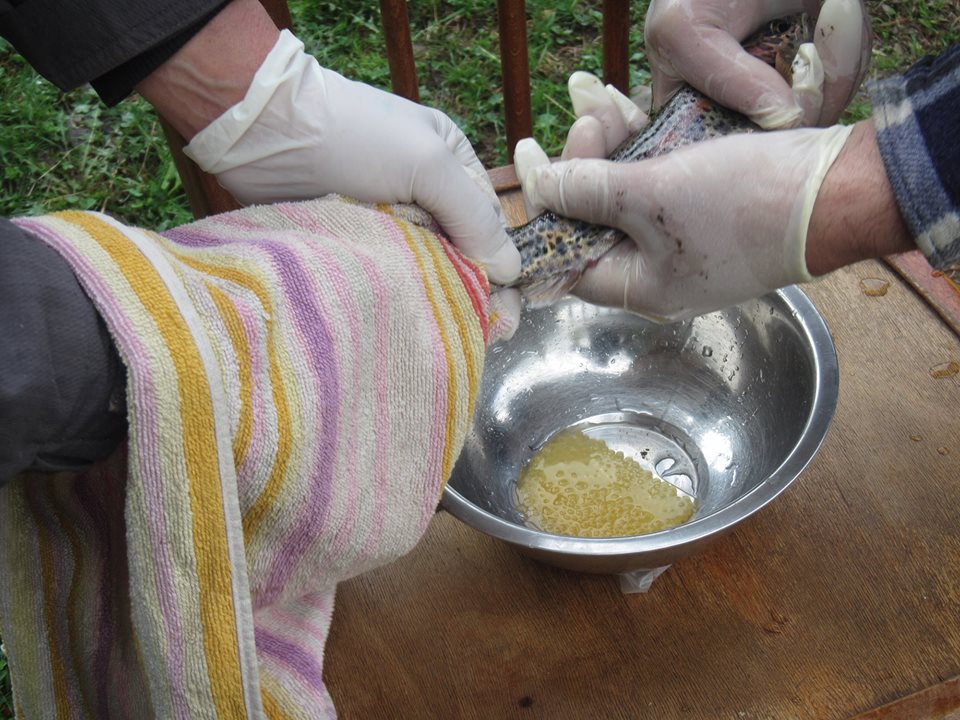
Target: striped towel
(300, 381)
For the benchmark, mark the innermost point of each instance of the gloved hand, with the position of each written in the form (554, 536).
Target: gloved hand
(303, 131)
(711, 225)
(605, 117)
(698, 42)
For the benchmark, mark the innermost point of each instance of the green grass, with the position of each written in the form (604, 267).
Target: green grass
(904, 32)
(60, 151)
(458, 63)
(6, 694)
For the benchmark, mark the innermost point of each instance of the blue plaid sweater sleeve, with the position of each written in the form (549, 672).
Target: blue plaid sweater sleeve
(917, 117)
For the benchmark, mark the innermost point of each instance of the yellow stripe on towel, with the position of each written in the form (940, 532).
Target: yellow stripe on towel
(202, 464)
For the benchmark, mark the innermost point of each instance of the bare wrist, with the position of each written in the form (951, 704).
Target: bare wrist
(856, 216)
(212, 72)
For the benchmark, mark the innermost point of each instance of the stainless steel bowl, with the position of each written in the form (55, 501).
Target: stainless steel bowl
(729, 407)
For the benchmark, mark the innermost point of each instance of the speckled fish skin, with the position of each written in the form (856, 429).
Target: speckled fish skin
(555, 250)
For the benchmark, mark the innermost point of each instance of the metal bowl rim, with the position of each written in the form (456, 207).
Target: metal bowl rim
(826, 390)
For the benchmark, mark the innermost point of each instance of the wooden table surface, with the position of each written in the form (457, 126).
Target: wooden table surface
(841, 599)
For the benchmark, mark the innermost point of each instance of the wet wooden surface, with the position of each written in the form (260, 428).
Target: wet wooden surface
(841, 598)
(940, 290)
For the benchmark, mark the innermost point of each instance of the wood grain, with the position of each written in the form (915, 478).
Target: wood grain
(936, 288)
(515, 66)
(616, 44)
(396, 34)
(940, 701)
(840, 597)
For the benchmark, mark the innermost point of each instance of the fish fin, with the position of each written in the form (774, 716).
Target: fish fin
(540, 293)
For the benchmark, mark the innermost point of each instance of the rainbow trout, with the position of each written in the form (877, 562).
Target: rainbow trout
(555, 251)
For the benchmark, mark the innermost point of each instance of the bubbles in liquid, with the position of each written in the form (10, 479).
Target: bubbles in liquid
(611, 496)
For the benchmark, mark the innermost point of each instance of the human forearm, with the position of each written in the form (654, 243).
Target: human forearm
(302, 131)
(213, 70)
(855, 216)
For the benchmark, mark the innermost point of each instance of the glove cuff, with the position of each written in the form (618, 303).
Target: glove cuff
(220, 146)
(825, 146)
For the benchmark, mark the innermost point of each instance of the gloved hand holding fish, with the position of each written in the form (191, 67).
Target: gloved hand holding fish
(697, 42)
(671, 227)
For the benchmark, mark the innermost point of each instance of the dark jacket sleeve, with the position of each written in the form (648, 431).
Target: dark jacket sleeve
(61, 380)
(110, 43)
(917, 117)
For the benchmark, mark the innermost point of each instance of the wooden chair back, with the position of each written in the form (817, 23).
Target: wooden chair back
(206, 197)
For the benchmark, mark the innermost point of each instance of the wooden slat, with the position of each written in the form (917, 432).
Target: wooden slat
(935, 287)
(512, 18)
(396, 31)
(204, 193)
(504, 178)
(279, 12)
(937, 702)
(616, 44)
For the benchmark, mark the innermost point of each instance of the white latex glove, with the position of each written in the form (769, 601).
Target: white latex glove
(711, 225)
(605, 117)
(698, 42)
(303, 131)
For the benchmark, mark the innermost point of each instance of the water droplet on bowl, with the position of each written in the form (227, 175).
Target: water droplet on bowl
(707, 351)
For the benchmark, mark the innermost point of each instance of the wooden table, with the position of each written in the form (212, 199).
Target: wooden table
(840, 599)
